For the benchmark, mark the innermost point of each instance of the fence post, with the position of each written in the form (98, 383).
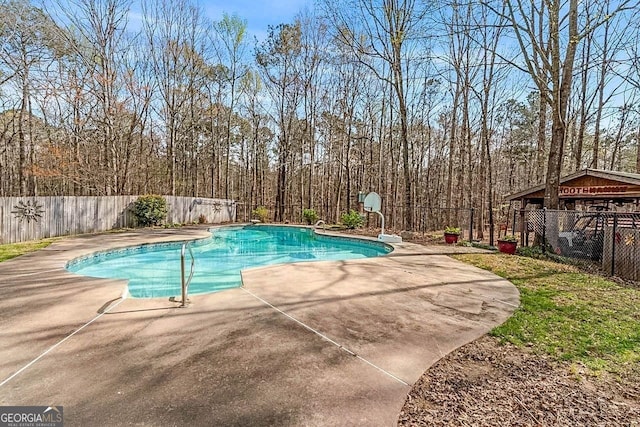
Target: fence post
(471, 225)
(613, 244)
(524, 226)
(544, 230)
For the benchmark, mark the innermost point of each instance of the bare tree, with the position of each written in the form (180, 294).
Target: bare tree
(383, 32)
(26, 44)
(231, 49)
(171, 28)
(277, 58)
(490, 35)
(562, 29)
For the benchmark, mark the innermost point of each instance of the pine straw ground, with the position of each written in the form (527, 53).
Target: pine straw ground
(569, 356)
(485, 383)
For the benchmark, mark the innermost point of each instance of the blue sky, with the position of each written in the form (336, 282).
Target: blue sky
(259, 14)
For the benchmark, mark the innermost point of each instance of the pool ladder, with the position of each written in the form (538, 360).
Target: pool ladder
(186, 281)
(317, 224)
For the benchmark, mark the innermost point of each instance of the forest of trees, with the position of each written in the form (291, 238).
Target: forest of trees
(433, 104)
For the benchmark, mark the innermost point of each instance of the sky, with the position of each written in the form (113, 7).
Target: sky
(259, 14)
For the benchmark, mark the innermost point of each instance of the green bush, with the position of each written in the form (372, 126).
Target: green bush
(352, 220)
(173, 225)
(260, 213)
(150, 210)
(310, 216)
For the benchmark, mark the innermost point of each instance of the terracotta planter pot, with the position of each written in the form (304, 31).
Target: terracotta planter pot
(507, 247)
(451, 237)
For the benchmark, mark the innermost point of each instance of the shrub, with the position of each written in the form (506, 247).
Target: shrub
(173, 225)
(352, 220)
(202, 219)
(150, 210)
(260, 213)
(310, 216)
(509, 238)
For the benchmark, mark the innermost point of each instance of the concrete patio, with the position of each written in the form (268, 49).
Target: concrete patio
(326, 343)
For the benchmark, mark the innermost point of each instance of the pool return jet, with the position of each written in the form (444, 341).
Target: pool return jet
(373, 203)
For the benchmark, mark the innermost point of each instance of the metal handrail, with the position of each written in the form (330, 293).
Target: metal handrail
(186, 282)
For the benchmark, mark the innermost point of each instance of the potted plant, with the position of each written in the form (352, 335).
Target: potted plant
(451, 234)
(508, 244)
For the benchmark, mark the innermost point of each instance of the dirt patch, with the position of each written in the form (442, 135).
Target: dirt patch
(487, 384)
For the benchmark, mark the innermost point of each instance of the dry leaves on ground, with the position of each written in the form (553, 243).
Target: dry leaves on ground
(487, 384)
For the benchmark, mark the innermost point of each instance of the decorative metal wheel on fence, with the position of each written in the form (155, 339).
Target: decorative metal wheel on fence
(31, 218)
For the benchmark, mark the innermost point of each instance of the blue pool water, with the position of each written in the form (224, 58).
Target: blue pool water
(154, 270)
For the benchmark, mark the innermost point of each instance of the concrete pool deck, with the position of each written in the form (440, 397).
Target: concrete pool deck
(326, 343)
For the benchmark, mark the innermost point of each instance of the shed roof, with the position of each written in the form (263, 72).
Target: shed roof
(626, 178)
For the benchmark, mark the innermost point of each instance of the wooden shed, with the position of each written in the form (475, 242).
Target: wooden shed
(588, 187)
(609, 234)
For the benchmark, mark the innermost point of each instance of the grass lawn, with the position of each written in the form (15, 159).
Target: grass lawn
(12, 250)
(587, 320)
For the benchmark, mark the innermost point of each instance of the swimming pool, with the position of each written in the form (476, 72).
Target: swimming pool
(154, 270)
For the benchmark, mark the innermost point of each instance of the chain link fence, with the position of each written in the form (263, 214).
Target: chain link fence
(426, 218)
(291, 213)
(430, 218)
(607, 240)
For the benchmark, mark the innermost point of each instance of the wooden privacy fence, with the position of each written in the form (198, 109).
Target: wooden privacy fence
(30, 218)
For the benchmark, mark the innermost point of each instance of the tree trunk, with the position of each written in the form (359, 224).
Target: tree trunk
(638, 150)
(601, 88)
